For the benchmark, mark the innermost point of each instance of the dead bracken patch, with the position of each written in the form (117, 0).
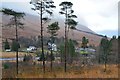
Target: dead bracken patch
(58, 72)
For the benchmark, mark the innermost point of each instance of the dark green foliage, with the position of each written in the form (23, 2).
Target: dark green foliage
(70, 49)
(105, 48)
(12, 12)
(105, 45)
(84, 42)
(113, 55)
(15, 20)
(68, 12)
(46, 7)
(53, 28)
(62, 51)
(6, 46)
(114, 37)
(119, 41)
(42, 58)
(6, 66)
(67, 4)
(15, 45)
(66, 9)
(118, 37)
(72, 23)
(43, 6)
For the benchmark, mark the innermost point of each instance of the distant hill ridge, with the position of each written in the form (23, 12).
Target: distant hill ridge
(32, 28)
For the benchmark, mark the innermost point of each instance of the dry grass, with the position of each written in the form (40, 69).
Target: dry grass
(35, 71)
(13, 54)
(32, 71)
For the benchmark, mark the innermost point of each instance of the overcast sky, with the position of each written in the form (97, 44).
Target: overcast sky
(101, 16)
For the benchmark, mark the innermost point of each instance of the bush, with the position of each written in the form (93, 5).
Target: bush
(6, 66)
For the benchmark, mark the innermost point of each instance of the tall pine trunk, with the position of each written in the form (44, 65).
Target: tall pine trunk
(66, 39)
(65, 47)
(51, 59)
(42, 40)
(16, 45)
(51, 53)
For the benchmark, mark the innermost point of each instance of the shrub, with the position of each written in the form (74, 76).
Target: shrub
(6, 66)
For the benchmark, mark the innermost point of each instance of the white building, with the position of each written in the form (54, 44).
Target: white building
(53, 46)
(31, 48)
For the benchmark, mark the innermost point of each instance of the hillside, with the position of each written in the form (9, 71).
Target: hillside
(32, 28)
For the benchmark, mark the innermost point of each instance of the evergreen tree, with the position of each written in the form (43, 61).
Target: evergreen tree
(105, 48)
(71, 50)
(68, 12)
(15, 20)
(52, 30)
(15, 46)
(84, 42)
(43, 7)
(72, 26)
(84, 45)
(6, 46)
(62, 51)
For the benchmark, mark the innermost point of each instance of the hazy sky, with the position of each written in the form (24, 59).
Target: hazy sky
(101, 16)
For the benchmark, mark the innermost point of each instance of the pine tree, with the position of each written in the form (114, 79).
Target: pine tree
(43, 7)
(84, 42)
(15, 20)
(52, 30)
(68, 12)
(105, 48)
(71, 50)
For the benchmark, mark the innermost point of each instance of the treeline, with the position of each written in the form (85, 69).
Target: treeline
(108, 51)
(32, 41)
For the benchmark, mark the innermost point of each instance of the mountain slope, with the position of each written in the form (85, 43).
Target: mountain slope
(32, 28)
